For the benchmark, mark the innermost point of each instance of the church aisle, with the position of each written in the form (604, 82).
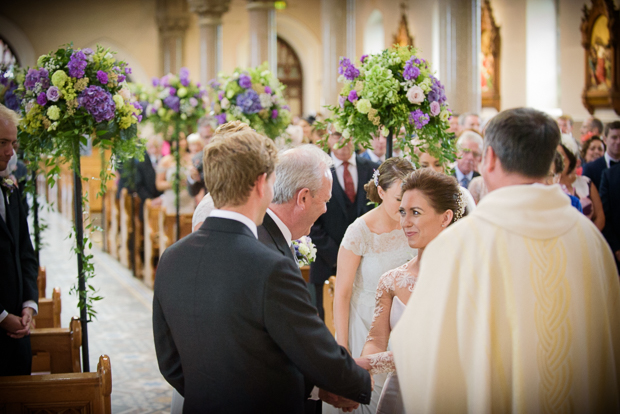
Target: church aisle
(123, 329)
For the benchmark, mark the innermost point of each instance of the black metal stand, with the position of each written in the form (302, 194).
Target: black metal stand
(390, 144)
(104, 224)
(35, 216)
(177, 182)
(79, 240)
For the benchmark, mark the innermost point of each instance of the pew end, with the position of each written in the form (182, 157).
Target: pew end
(328, 303)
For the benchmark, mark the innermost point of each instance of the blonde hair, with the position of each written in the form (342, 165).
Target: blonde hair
(233, 165)
(8, 117)
(222, 132)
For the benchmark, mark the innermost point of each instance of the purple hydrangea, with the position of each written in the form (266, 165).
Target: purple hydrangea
(77, 64)
(245, 81)
(184, 76)
(342, 100)
(363, 58)
(353, 96)
(173, 102)
(274, 114)
(437, 92)
(42, 99)
(249, 102)
(411, 70)
(220, 95)
(221, 119)
(165, 81)
(44, 78)
(10, 99)
(98, 103)
(418, 118)
(267, 89)
(155, 82)
(347, 69)
(32, 77)
(102, 77)
(172, 91)
(213, 83)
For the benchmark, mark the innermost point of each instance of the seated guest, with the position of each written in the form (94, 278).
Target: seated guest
(593, 149)
(595, 169)
(454, 124)
(164, 181)
(579, 186)
(469, 120)
(306, 129)
(469, 154)
(377, 152)
(591, 126)
(146, 175)
(610, 196)
(565, 123)
(195, 181)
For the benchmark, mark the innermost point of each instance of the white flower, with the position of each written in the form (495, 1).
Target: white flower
(303, 249)
(346, 134)
(225, 103)
(426, 85)
(444, 115)
(265, 100)
(157, 104)
(125, 93)
(164, 93)
(415, 95)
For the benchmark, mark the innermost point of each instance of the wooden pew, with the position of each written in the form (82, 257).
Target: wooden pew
(59, 346)
(87, 392)
(48, 315)
(138, 236)
(42, 281)
(328, 303)
(126, 228)
(151, 242)
(113, 236)
(305, 273)
(167, 228)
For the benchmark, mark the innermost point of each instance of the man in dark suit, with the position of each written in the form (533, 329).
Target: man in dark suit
(350, 173)
(594, 169)
(469, 154)
(146, 172)
(18, 274)
(233, 324)
(610, 196)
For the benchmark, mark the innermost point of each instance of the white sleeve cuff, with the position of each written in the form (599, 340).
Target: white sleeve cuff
(314, 395)
(31, 304)
(3, 315)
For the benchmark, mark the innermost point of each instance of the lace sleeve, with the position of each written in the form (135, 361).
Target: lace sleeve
(381, 363)
(379, 334)
(355, 238)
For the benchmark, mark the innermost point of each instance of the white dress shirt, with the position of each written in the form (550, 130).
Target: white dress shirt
(608, 159)
(460, 175)
(232, 215)
(283, 229)
(2, 207)
(374, 157)
(340, 170)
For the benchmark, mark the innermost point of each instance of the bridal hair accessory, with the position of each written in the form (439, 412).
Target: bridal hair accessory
(375, 178)
(460, 201)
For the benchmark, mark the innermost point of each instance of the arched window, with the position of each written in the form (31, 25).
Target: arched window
(291, 75)
(374, 34)
(8, 59)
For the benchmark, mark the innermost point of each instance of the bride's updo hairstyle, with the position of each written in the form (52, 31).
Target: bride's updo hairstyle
(391, 170)
(441, 190)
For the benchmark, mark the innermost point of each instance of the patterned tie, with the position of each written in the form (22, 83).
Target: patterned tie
(464, 182)
(349, 188)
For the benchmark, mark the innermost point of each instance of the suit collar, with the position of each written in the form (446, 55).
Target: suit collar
(232, 215)
(276, 235)
(226, 225)
(284, 230)
(10, 204)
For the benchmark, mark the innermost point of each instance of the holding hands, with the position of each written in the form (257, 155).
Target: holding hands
(17, 327)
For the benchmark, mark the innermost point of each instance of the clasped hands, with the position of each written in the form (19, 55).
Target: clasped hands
(18, 327)
(342, 403)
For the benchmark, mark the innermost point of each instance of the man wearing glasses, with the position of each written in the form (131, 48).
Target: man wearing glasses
(469, 147)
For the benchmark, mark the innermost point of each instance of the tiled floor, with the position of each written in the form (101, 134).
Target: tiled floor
(123, 329)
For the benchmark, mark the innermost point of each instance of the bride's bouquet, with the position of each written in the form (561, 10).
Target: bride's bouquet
(253, 96)
(305, 251)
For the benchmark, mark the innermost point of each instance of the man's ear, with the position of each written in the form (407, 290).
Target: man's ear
(260, 184)
(303, 197)
(490, 160)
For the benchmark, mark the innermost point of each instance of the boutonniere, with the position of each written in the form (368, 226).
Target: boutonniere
(8, 186)
(305, 251)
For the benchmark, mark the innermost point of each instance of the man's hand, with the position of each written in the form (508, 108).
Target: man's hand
(363, 362)
(344, 404)
(13, 325)
(27, 314)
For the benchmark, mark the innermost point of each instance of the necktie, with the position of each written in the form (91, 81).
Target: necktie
(293, 252)
(464, 182)
(349, 188)
(2, 206)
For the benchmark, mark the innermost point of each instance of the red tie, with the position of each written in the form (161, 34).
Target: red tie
(349, 188)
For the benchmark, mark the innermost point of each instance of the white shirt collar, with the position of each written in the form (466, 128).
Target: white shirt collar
(460, 175)
(374, 157)
(338, 162)
(232, 215)
(285, 231)
(608, 159)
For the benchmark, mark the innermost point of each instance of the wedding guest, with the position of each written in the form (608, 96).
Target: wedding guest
(565, 123)
(195, 181)
(610, 196)
(18, 278)
(469, 121)
(508, 300)
(350, 173)
(454, 124)
(469, 154)
(595, 169)
(579, 186)
(593, 149)
(376, 154)
(555, 172)
(252, 354)
(306, 129)
(166, 172)
(591, 126)
(372, 244)
(477, 188)
(316, 135)
(431, 202)
(146, 175)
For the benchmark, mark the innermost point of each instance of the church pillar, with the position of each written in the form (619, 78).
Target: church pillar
(210, 26)
(263, 36)
(459, 50)
(172, 20)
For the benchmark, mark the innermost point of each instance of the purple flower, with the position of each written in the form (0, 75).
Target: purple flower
(10, 99)
(193, 101)
(288, 108)
(172, 91)
(42, 99)
(153, 110)
(102, 77)
(184, 81)
(121, 78)
(184, 76)
(411, 71)
(87, 51)
(342, 100)
(221, 119)
(267, 89)
(435, 108)
(98, 103)
(363, 58)
(32, 77)
(139, 107)
(249, 102)
(155, 82)
(213, 83)
(165, 81)
(245, 81)
(220, 95)
(419, 118)
(347, 69)
(353, 96)
(437, 92)
(173, 102)
(127, 70)
(77, 64)
(274, 114)
(44, 78)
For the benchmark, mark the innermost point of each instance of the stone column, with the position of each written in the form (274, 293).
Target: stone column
(210, 26)
(263, 36)
(334, 34)
(459, 67)
(172, 20)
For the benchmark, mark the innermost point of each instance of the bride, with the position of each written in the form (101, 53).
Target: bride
(373, 244)
(431, 201)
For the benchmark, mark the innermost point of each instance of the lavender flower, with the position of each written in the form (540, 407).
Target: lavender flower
(342, 100)
(220, 95)
(363, 58)
(44, 78)
(98, 103)
(267, 89)
(353, 96)
(347, 69)
(172, 91)
(32, 77)
(419, 118)
(213, 83)
(138, 106)
(165, 81)
(245, 81)
(77, 64)
(274, 114)
(437, 92)
(87, 51)
(127, 70)
(184, 76)
(435, 108)
(221, 119)
(10, 99)
(102, 77)
(155, 82)
(193, 101)
(249, 102)
(173, 102)
(411, 71)
(42, 99)
(121, 78)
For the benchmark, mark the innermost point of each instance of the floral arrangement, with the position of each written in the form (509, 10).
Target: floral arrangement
(8, 86)
(389, 91)
(175, 101)
(305, 251)
(253, 96)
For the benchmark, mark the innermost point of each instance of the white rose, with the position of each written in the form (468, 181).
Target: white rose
(225, 103)
(265, 100)
(303, 249)
(125, 93)
(444, 116)
(415, 95)
(346, 134)
(426, 85)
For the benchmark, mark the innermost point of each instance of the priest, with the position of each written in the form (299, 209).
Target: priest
(517, 307)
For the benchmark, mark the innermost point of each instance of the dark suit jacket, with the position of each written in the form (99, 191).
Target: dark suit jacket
(593, 170)
(328, 231)
(610, 196)
(145, 179)
(235, 330)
